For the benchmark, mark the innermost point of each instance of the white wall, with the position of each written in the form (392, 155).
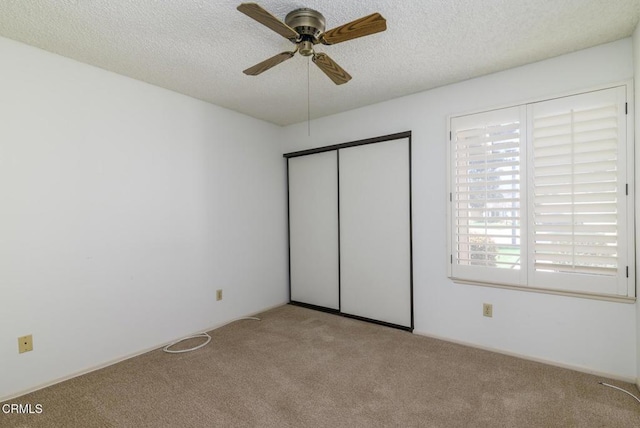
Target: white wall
(123, 207)
(592, 335)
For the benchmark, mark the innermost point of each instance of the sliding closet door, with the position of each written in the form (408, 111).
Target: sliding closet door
(375, 239)
(313, 229)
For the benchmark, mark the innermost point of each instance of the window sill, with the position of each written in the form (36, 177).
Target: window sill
(605, 297)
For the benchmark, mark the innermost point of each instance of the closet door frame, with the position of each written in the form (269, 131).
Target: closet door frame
(336, 147)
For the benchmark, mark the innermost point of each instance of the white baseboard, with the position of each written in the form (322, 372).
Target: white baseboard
(126, 357)
(535, 359)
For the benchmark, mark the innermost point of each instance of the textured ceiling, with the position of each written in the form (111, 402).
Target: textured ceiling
(200, 47)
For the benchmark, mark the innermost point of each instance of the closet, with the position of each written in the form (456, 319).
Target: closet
(350, 229)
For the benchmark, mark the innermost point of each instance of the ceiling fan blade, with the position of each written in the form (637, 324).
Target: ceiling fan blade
(268, 63)
(253, 10)
(331, 69)
(364, 26)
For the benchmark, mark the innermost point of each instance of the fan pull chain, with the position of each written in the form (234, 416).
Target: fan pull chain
(308, 97)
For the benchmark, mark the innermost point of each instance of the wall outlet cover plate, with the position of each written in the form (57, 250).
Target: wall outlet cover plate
(25, 344)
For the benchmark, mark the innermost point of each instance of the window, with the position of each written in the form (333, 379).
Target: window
(487, 195)
(538, 195)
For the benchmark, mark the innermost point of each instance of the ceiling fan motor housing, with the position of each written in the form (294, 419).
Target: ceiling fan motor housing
(308, 23)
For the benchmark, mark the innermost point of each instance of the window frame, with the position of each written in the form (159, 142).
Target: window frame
(625, 290)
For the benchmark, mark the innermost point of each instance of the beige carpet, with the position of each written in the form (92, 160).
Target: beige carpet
(302, 368)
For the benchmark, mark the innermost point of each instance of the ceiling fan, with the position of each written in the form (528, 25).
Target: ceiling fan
(305, 28)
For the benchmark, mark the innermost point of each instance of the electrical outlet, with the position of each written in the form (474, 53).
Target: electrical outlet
(487, 310)
(218, 295)
(25, 344)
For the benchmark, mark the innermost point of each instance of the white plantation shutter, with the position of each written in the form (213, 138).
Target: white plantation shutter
(486, 196)
(538, 195)
(578, 203)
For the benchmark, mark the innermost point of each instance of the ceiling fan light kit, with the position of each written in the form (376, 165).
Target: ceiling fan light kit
(305, 28)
